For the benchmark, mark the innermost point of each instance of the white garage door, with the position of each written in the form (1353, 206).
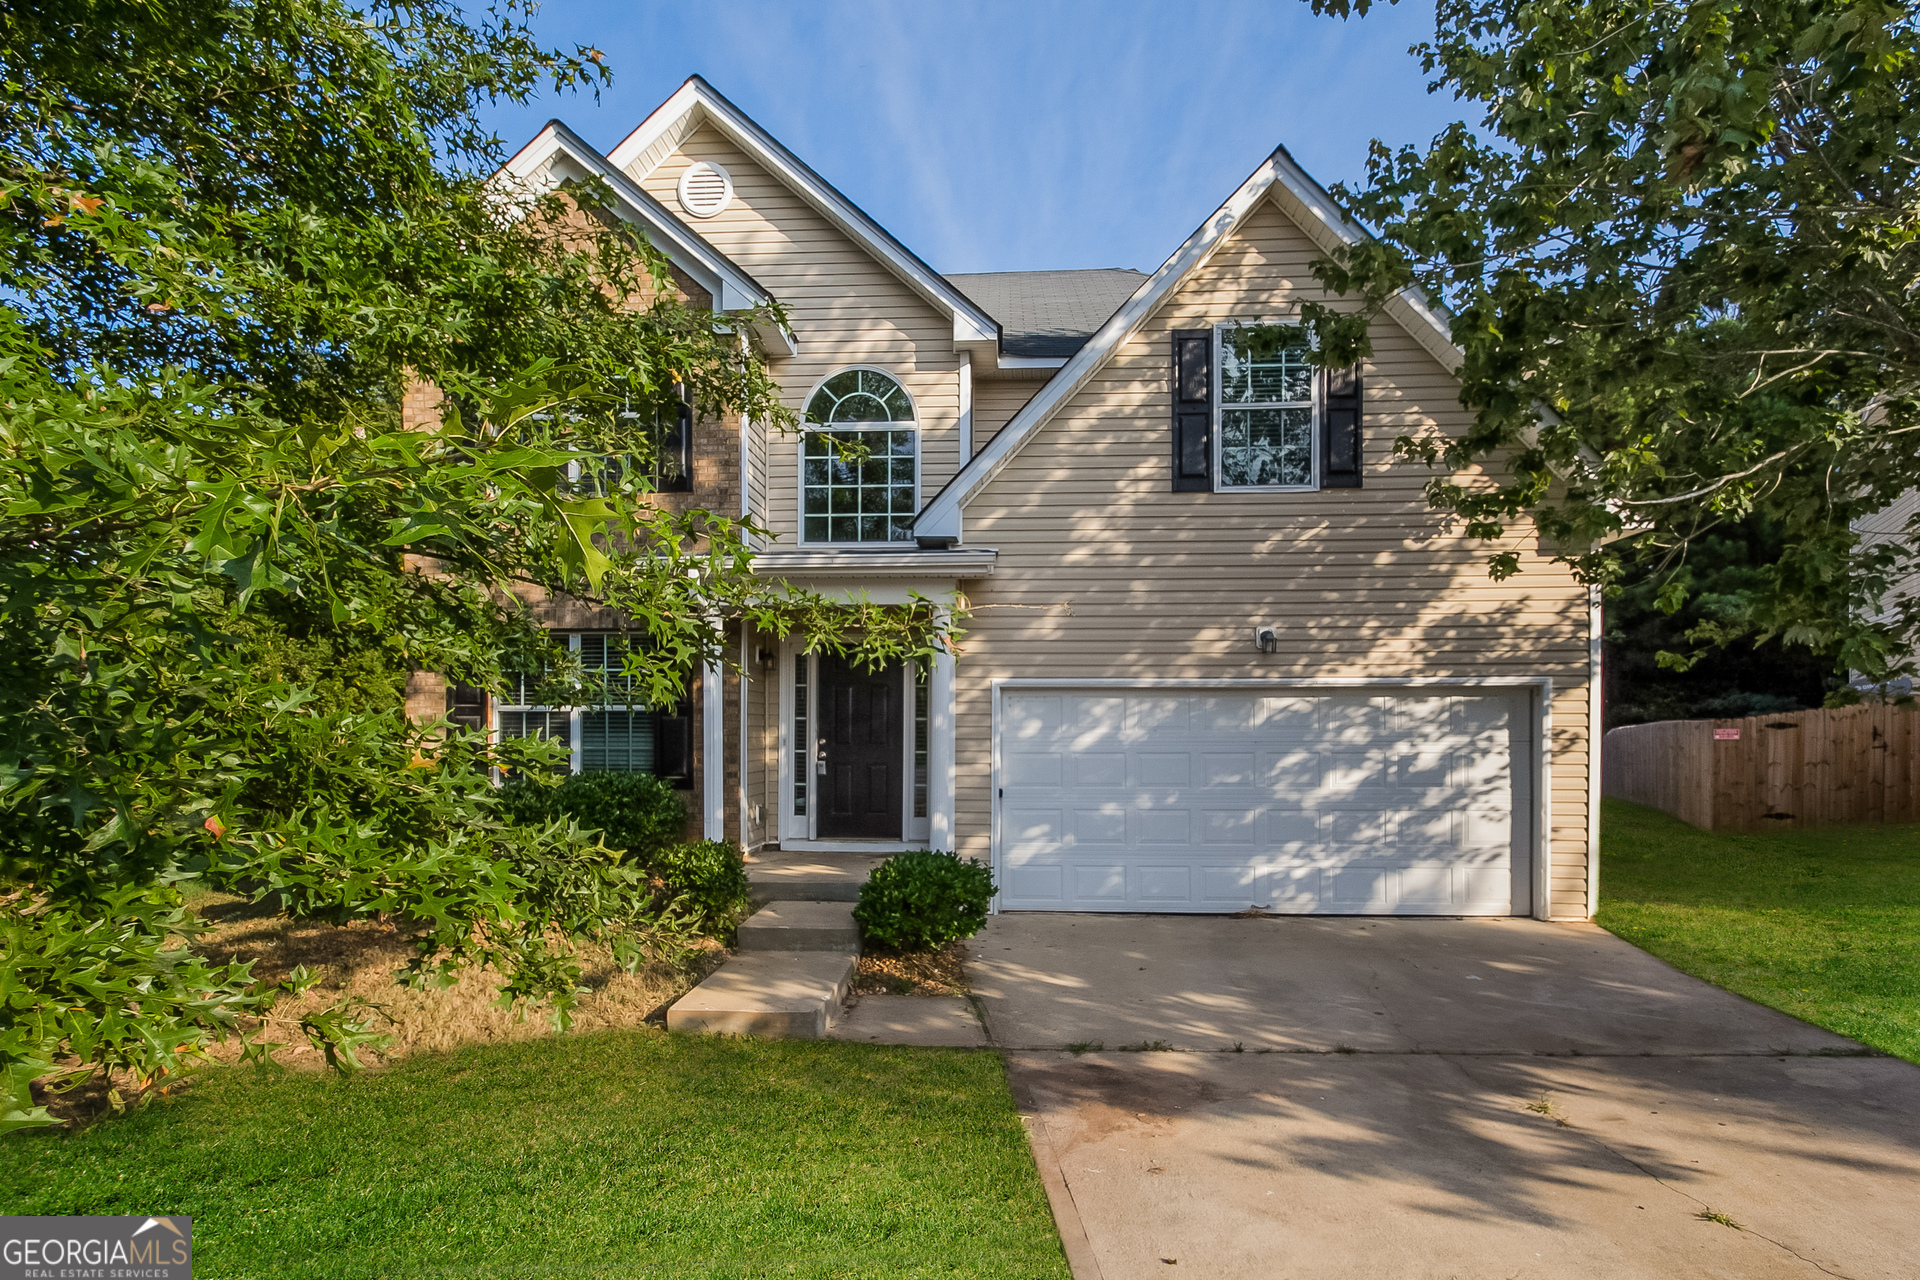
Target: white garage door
(1211, 800)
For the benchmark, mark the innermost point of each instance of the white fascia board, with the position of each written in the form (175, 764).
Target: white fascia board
(696, 101)
(557, 153)
(942, 518)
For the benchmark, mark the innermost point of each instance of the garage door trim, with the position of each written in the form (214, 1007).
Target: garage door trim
(1538, 768)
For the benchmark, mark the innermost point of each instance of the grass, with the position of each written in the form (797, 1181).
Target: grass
(1822, 924)
(618, 1153)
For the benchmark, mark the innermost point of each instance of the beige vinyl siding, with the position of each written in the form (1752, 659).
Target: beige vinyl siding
(994, 404)
(845, 309)
(1105, 573)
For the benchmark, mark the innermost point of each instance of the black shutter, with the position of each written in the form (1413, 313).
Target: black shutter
(673, 749)
(1341, 456)
(674, 472)
(1192, 410)
(467, 707)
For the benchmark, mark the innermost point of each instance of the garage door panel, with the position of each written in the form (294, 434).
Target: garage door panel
(1280, 716)
(1292, 831)
(1032, 718)
(1166, 883)
(1426, 886)
(1423, 715)
(1156, 717)
(1487, 829)
(1227, 769)
(1160, 769)
(1098, 882)
(1092, 722)
(1034, 769)
(1290, 772)
(1147, 827)
(1035, 885)
(1233, 886)
(1031, 831)
(1215, 801)
(1098, 769)
(1104, 825)
(1230, 827)
(1359, 828)
(1236, 716)
(1349, 773)
(1352, 720)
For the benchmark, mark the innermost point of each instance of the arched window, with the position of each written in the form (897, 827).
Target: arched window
(859, 460)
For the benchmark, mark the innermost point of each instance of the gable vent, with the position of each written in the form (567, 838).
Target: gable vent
(705, 189)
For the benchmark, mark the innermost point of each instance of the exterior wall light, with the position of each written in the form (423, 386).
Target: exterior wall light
(1267, 639)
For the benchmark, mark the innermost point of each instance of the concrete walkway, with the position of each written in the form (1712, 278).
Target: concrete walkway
(1437, 1098)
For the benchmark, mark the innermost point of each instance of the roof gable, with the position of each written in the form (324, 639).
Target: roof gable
(696, 102)
(557, 154)
(1301, 199)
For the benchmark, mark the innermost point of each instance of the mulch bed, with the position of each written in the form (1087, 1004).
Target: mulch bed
(913, 973)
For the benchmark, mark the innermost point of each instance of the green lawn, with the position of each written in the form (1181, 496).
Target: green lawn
(620, 1153)
(1824, 925)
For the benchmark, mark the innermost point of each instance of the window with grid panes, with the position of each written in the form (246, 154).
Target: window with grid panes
(1266, 422)
(618, 735)
(518, 714)
(610, 735)
(859, 461)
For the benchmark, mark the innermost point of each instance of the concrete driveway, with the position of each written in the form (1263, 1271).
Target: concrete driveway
(1301, 1097)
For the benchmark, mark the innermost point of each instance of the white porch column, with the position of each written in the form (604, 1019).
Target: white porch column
(713, 743)
(940, 749)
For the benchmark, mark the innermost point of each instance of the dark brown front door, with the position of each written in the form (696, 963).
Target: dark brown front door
(860, 715)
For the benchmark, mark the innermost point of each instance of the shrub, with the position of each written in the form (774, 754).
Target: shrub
(636, 813)
(922, 901)
(706, 881)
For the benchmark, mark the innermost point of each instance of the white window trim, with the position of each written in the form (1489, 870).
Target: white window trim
(800, 453)
(1219, 405)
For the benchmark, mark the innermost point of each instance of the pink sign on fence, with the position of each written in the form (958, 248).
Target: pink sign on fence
(1726, 735)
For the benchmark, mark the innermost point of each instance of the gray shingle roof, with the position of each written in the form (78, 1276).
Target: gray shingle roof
(1049, 313)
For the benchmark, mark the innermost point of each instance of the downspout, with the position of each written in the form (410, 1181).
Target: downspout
(746, 810)
(713, 742)
(1596, 742)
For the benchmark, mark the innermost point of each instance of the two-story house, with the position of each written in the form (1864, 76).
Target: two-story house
(1218, 653)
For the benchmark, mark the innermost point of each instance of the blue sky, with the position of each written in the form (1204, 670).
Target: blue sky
(1003, 136)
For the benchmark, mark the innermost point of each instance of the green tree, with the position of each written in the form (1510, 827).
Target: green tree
(1679, 253)
(1725, 571)
(232, 233)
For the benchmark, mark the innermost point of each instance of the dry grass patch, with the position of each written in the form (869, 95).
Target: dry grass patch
(916, 973)
(364, 959)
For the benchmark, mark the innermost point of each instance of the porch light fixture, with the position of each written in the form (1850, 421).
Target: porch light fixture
(1266, 639)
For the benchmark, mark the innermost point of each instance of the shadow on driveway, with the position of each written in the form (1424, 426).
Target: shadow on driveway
(1420, 1098)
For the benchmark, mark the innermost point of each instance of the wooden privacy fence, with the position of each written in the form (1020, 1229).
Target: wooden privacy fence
(1802, 769)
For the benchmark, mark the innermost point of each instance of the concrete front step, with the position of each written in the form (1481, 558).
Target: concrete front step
(809, 877)
(801, 926)
(777, 995)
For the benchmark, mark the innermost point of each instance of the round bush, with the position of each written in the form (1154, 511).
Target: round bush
(922, 901)
(709, 879)
(634, 812)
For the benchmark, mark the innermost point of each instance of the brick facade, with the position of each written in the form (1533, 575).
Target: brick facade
(716, 488)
